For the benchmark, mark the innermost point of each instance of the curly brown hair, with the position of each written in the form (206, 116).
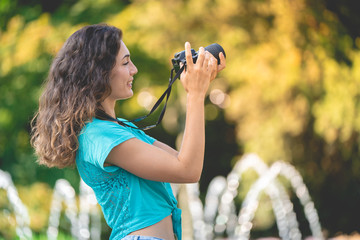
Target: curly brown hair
(77, 83)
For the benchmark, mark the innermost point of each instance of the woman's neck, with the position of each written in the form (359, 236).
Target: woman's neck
(109, 107)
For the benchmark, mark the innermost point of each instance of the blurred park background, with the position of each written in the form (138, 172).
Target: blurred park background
(291, 92)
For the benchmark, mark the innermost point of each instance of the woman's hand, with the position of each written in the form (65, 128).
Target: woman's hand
(197, 76)
(221, 66)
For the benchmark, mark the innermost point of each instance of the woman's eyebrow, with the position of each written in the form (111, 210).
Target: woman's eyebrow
(127, 55)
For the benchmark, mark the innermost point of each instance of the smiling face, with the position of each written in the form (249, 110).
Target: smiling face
(121, 76)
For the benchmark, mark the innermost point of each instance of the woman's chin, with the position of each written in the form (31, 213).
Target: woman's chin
(127, 96)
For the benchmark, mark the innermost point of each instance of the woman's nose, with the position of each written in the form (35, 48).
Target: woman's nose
(134, 69)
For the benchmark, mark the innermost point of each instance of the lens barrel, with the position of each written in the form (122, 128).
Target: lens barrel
(215, 50)
(179, 57)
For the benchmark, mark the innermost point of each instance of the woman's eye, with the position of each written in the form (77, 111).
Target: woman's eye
(126, 63)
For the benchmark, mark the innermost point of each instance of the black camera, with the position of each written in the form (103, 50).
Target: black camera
(179, 57)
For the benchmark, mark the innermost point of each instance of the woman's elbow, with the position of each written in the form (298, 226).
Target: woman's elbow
(190, 173)
(195, 179)
(192, 177)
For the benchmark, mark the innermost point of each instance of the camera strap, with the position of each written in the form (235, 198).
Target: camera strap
(100, 114)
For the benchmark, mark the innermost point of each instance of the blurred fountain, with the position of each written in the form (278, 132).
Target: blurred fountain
(282, 206)
(250, 202)
(196, 210)
(89, 216)
(212, 200)
(65, 193)
(219, 212)
(23, 230)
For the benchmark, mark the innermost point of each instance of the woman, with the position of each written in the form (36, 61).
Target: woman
(128, 170)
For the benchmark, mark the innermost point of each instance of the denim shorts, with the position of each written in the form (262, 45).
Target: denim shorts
(136, 237)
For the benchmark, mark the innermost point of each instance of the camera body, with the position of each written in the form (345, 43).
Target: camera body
(179, 57)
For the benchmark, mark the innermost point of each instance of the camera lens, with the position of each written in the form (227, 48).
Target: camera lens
(215, 50)
(180, 57)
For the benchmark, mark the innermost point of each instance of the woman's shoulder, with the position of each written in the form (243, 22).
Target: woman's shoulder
(103, 133)
(98, 126)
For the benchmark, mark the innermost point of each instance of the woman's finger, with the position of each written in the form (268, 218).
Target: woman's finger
(201, 57)
(213, 68)
(206, 60)
(222, 64)
(188, 55)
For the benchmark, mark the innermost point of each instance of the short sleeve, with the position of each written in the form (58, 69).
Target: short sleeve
(141, 134)
(149, 138)
(98, 138)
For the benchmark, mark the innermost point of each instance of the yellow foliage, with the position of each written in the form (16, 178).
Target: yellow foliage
(143, 25)
(337, 113)
(22, 43)
(37, 199)
(30, 40)
(7, 43)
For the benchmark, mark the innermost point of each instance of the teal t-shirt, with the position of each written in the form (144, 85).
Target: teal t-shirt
(128, 202)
